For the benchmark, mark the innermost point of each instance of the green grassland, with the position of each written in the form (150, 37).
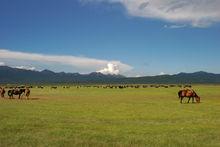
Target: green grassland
(111, 117)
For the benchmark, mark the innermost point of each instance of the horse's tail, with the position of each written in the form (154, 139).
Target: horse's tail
(179, 93)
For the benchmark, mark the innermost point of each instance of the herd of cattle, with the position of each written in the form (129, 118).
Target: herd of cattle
(121, 86)
(20, 91)
(112, 86)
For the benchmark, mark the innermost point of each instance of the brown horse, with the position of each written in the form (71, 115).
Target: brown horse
(27, 92)
(2, 92)
(189, 94)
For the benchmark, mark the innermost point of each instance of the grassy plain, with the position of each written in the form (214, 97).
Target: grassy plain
(111, 117)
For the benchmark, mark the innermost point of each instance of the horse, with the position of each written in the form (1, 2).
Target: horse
(18, 92)
(27, 92)
(2, 92)
(189, 94)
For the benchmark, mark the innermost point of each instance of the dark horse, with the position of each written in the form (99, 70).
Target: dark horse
(189, 94)
(18, 92)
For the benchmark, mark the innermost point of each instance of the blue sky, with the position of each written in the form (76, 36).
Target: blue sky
(126, 37)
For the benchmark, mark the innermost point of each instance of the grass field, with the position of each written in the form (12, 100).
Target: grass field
(111, 117)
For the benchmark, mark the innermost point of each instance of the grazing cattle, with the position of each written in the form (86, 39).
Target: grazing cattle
(53, 87)
(41, 87)
(166, 86)
(21, 86)
(189, 86)
(137, 86)
(172, 85)
(2, 92)
(120, 87)
(145, 86)
(29, 87)
(13, 92)
(66, 87)
(189, 93)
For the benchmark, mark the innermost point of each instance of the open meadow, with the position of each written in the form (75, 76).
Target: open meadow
(111, 117)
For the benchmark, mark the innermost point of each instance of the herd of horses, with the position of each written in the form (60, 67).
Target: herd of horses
(15, 91)
(184, 93)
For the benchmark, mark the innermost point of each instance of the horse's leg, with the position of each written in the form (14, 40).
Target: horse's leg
(181, 99)
(21, 95)
(189, 99)
(192, 99)
(27, 95)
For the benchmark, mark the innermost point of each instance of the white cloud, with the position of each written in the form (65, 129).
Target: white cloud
(162, 73)
(84, 63)
(25, 67)
(110, 69)
(2, 63)
(137, 76)
(174, 26)
(197, 13)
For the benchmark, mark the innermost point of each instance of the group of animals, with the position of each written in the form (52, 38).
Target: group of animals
(15, 91)
(136, 86)
(185, 93)
(115, 86)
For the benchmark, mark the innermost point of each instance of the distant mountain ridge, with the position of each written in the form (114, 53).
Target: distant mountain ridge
(15, 75)
(9, 75)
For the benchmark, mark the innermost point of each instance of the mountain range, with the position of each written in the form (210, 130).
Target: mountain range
(9, 75)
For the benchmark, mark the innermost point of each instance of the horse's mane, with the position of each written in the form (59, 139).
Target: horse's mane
(195, 93)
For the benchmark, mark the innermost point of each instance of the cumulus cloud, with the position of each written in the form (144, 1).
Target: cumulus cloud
(197, 13)
(162, 73)
(25, 67)
(110, 69)
(2, 63)
(83, 63)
